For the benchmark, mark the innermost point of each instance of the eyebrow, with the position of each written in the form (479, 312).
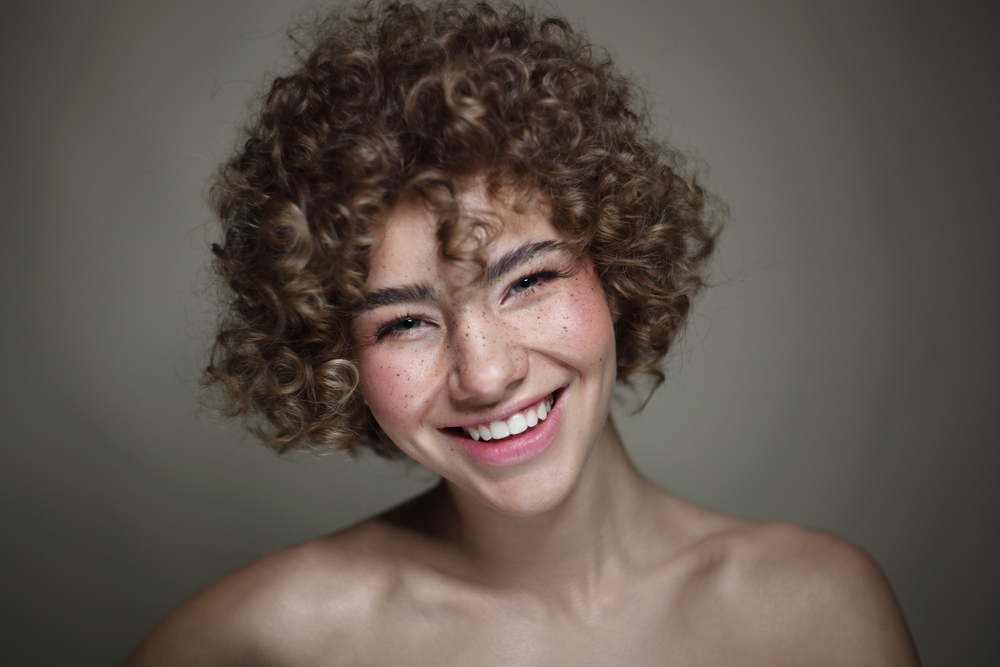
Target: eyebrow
(393, 295)
(518, 256)
(509, 261)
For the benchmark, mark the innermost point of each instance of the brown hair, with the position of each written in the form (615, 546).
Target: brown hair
(394, 96)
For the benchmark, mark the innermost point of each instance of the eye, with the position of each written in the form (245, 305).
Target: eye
(400, 326)
(528, 282)
(525, 283)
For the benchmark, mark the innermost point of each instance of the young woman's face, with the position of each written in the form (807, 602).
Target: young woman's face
(499, 381)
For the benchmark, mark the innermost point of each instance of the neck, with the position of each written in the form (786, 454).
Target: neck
(595, 532)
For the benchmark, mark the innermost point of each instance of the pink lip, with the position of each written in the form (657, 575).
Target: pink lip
(515, 449)
(501, 415)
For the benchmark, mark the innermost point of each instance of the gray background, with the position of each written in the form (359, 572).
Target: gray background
(843, 374)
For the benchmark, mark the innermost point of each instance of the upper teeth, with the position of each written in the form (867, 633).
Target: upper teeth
(519, 422)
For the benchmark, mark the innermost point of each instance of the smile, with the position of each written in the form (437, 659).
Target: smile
(517, 423)
(512, 440)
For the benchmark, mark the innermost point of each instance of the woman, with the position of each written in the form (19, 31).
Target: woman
(448, 234)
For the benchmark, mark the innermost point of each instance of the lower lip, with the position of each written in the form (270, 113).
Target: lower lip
(516, 449)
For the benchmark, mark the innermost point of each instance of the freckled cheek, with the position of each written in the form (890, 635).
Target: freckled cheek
(582, 324)
(396, 385)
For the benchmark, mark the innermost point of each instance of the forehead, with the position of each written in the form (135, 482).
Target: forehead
(408, 248)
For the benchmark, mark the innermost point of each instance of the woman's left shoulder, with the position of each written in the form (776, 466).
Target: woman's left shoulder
(781, 548)
(812, 597)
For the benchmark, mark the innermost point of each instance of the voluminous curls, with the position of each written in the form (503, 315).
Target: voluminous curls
(390, 97)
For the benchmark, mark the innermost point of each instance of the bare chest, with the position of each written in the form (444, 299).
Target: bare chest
(638, 628)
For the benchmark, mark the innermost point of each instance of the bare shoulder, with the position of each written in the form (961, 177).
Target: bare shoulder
(794, 595)
(290, 607)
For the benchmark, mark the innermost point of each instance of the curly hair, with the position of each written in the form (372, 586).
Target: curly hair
(393, 97)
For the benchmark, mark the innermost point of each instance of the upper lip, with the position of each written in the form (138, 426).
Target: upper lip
(502, 414)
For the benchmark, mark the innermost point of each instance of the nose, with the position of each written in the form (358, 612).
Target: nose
(488, 360)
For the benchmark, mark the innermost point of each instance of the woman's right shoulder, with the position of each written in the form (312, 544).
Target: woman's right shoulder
(288, 607)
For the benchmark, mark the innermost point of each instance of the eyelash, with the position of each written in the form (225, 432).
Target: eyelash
(539, 277)
(386, 330)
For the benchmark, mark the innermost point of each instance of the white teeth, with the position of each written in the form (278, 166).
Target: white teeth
(499, 430)
(519, 422)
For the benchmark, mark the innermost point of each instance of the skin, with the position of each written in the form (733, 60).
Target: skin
(569, 558)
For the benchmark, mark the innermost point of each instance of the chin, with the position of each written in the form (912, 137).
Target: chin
(529, 495)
